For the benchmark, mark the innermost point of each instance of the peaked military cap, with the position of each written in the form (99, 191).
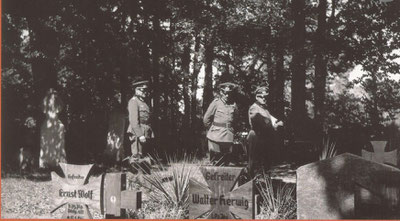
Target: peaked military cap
(261, 91)
(140, 83)
(228, 84)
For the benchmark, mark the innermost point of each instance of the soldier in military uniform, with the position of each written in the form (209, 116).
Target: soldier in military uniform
(219, 118)
(139, 130)
(263, 126)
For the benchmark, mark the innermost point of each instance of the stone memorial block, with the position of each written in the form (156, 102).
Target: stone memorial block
(326, 189)
(221, 198)
(370, 204)
(379, 155)
(52, 132)
(115, 136)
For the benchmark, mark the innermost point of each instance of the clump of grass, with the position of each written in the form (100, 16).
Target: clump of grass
(328, 149)
(170, 185)
(157, 210)
(277, 202)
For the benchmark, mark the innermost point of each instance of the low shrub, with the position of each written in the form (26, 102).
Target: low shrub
(169, 186)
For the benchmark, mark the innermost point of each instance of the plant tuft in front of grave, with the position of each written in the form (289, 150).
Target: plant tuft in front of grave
(278, 201)
(328, 149)
(169, 187)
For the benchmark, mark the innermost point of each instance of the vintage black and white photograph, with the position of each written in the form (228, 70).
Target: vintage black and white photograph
(200, 109)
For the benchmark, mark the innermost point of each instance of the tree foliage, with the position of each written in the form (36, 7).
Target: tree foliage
(90, 51)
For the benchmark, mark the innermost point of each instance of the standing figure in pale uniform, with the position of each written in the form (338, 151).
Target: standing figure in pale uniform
(139, 130)
(219, 119)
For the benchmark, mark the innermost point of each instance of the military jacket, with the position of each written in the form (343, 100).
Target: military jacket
(219, 118)
(139, 118)
(260, 119)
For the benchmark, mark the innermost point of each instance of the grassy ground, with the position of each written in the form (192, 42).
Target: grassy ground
(29, 198)
(22, 198)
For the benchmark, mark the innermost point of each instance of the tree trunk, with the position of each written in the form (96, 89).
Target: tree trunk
(45, 42)
(185, 85)
(298, 66)
(44, 74)
(280, 72)
(208, 78)
(320, 66)
(374, 112)
(156, 72)
(123, 79)
(270, 75)
(280, 79)
(125, 63)
(225, 74)
(194, 80)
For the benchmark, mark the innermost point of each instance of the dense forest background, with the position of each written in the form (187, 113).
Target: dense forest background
(302, 50)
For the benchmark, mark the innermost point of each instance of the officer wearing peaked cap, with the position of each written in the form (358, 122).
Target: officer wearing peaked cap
(139, 129)
(263, 125)
(219, 119)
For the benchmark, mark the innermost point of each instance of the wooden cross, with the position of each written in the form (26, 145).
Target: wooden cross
(220, 199)
(379, 155)
(75, 191)
(106, 193)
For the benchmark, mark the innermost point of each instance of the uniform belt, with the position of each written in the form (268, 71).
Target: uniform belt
(227, 125)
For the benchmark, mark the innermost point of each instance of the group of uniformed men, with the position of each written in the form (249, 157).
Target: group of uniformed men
(219, 119)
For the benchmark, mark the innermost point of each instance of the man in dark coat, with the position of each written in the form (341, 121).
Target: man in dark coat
(219, 119)
(139, 129)
(260, 138)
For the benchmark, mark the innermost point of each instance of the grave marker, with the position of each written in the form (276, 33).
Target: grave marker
(114, 151)
(52, 132)
(106, 193)
(76, 174)
(74, 191)
(379, 155)
(327, 189)
(220, 199)
(117, 198)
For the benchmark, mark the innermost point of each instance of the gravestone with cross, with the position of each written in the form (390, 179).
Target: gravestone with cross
(336, 187)
(379, 155)
(106, 194)
(221, 198)
(114, 152)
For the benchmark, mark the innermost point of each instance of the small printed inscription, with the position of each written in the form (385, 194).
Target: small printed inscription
(219, 177)
(219, 216)
(220, 197)
(75, 177)
(75, 209)
(81, 194)
(221, 200)
(75, 217)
